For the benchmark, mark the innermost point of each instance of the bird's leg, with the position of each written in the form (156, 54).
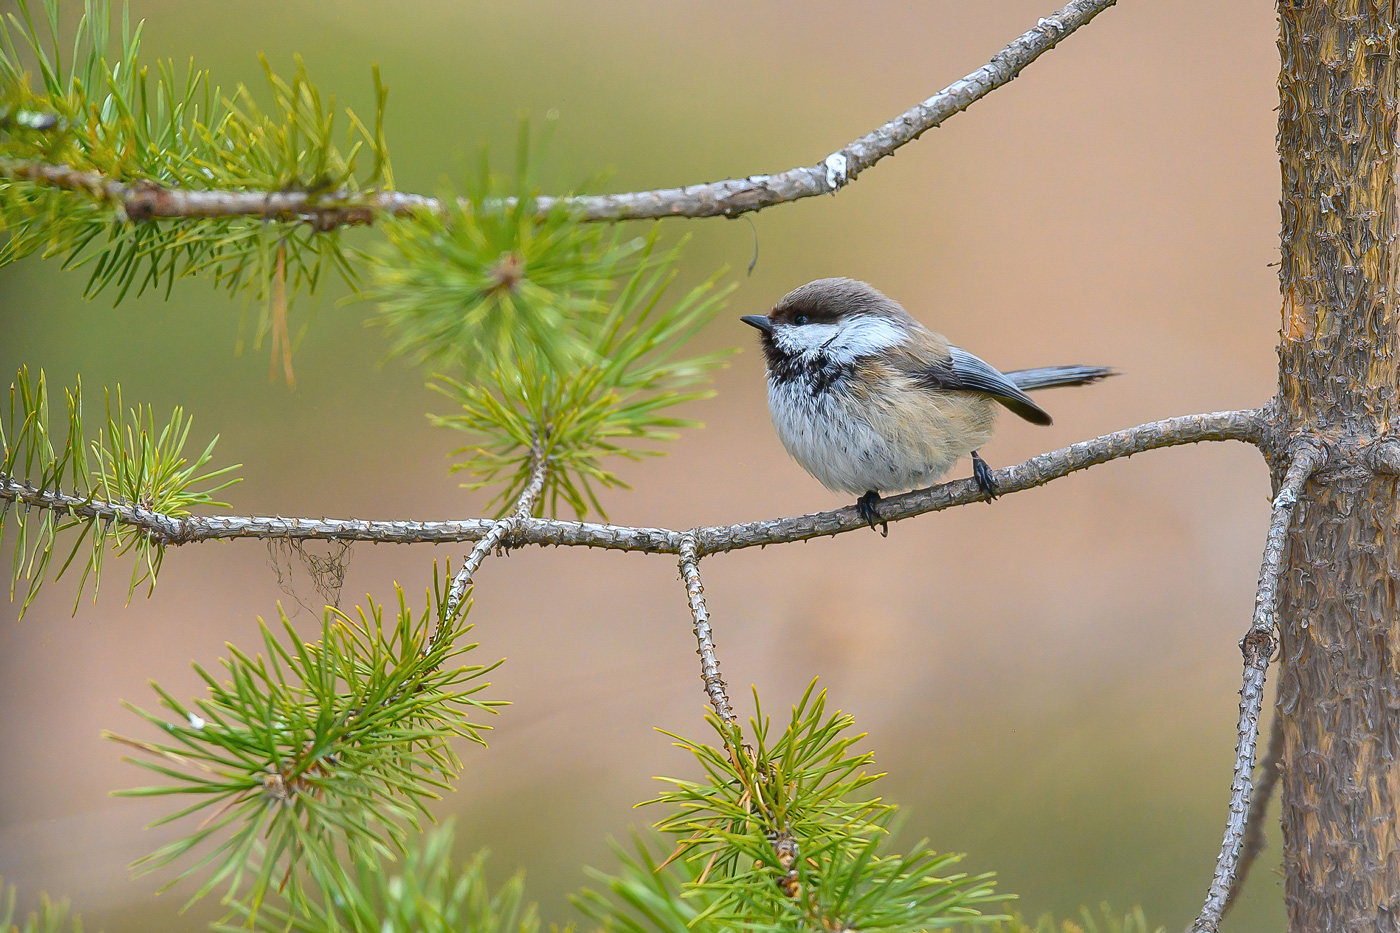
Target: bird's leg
(867, 506)
(983, 474)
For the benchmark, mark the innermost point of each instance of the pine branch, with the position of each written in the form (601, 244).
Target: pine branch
(1257, 646)
(310, 750)
(1247, 425)
(729, 198)
(131, 463)
(782, 832)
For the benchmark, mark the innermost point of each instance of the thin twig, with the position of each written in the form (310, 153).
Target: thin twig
(1258, 807)
(493, 538)
(1257, 647)
(1248, 426)
(147, 200)
(709, 662)
(443, 626)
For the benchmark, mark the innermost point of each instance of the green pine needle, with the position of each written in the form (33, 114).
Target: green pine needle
(582, 414)
(782, 835)
(106, 110)
(427, 893)
(133, 462)
(306, 750)
(469, 290)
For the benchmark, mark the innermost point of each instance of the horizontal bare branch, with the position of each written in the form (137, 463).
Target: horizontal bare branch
(727, 198)
(1257, 647)
(1248, 426)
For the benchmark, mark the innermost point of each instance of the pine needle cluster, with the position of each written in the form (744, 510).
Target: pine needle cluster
(555, 338)
(131, 464)
(486, 280)
(309, 752)
(101, 108)
(428, 893)
(620, 388)
(783, 835)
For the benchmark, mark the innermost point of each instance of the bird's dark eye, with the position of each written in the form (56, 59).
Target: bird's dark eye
(799, 319)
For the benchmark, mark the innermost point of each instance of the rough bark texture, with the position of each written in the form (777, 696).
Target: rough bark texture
(1339, 693)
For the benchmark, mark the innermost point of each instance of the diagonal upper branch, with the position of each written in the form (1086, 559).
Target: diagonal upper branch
(1248, 425)
(729, 198)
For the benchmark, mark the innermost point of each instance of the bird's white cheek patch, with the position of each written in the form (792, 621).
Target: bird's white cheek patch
(865, 336)
(844, 342)
(804, 338)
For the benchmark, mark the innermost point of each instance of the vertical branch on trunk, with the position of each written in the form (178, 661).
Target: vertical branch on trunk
(1253, 842)
(1258, 646)
(709, 661)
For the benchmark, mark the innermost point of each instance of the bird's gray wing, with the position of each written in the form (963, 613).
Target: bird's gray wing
(968, 373)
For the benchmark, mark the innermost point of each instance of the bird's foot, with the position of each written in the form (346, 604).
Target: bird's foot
(868, 507)
(983, 474)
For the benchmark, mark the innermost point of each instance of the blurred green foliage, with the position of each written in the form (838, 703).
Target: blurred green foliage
(427, 894)
(1104, 921)
(50, 917)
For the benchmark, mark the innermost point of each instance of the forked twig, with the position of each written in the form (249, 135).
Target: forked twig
(524, 506)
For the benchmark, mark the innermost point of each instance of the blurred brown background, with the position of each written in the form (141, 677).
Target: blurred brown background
(1050, 681)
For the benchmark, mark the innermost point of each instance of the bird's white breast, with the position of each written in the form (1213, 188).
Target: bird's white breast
(887, 436)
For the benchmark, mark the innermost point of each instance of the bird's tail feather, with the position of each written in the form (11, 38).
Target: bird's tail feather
(1048, 377)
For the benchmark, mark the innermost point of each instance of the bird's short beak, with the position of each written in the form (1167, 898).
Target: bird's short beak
(760, 321)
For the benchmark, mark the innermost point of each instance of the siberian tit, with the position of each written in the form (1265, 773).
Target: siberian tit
(868, 400)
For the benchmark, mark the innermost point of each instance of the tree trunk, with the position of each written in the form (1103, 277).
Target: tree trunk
(1339, 689)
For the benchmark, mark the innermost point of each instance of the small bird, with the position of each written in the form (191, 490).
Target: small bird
(870, 401)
